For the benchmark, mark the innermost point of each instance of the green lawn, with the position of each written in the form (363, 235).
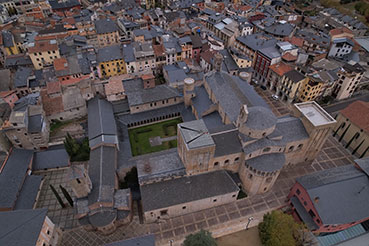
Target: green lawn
(139, 137)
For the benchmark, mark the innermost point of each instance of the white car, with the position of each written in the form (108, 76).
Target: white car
(275, 97)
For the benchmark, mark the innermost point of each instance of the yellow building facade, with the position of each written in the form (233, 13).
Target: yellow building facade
(310, 90)
(43, 53)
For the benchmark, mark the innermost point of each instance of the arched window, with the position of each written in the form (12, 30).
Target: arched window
(216, 164)
(250, 176)
(236, 159)
(300, 146)
(226, 162)
(290, 148)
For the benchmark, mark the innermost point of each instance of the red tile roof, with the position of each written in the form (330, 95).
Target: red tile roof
(4, 94)
(53, 87)
(51, 105)
(158, 50)
(341, 30)
(289, 57)
(358, 113)
(299, 42)
(42, 46)
(60, 64)
(280, 68)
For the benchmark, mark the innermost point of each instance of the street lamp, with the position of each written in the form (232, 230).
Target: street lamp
(171, 242)
(248, 222)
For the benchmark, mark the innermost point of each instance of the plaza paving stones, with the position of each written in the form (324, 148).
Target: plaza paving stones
(63, 217)
(332, 155)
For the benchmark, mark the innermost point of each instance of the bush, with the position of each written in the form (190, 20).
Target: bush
(202, 238)
(278, 228)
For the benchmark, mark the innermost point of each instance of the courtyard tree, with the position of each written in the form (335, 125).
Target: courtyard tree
(201, 238)
(77, 150)
(279, 228)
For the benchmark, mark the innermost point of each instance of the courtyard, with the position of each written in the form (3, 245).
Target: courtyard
(62, 217)
(154, 137)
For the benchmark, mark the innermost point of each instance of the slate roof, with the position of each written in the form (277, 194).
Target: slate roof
(21, 76)
(363, 164)
(100, 118)
(260, 118)
(105, 26)
(280, 29)
(21, 227)
(226, 143)
(294, 76)
(342, 194)
(137, 95)
(146, 240)
(5, 83)
(201, 102)
(35, 123)
(28, 194)
(355, 111)
(257, 41)
(7, 39)
(54, 157)
(109, 53)
(163, 164)
(195, 134)
(231, 93)
(186, 189)
(12, 176)
(268, 162)
(102, 167)
(63, 5)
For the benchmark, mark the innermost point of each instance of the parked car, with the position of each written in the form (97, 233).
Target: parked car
(275, 97)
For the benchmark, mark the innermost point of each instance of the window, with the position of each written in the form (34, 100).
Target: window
(311, 213)
(236, 159)
(226, 162)
(298, 192)
(250, 176)
(305, 203)
(216, 164)
(78, 181)
(300, 146)
(215, 200)
(184, 207)
(164, 212)
(267, 149)
(290, 148)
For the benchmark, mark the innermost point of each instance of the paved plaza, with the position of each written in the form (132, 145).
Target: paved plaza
(63, 217)
(332, 155)
(277, 106)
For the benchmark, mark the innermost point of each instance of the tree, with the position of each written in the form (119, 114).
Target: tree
(202, 238)
(278, 228)
(77, 151)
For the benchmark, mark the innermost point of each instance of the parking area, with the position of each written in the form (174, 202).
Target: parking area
(62, 217)
(278, 107)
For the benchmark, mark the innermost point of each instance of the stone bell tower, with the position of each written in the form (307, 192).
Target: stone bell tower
(188, 90)
(218, 59)
(79, 181)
